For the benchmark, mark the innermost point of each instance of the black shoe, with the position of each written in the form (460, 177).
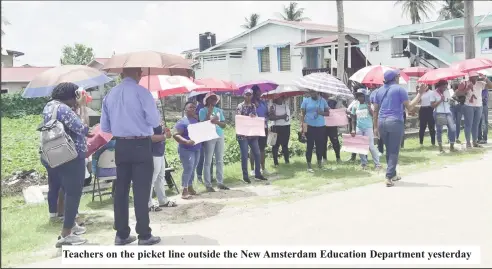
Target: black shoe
(151, 241)
(262, 178)
(246, 180)
(210, 189)
(121, 242)
(154, 209)
(223, 187)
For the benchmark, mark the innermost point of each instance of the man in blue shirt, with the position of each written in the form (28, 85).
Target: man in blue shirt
(389, 103)
(129, 113)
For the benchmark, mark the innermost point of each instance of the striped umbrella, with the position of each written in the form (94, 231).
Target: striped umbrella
(162, 86)
(374, 75)
(324, 83)
(85, 77)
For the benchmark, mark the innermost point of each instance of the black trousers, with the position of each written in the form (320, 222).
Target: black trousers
(353, 156)
(315, 136)
(134, 164)
(426, 118)
(283, 136)
(331, 132)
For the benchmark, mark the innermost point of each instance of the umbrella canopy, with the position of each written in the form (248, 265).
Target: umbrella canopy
(374, 75)
(264, 85)
(416, 71)
(476, 64)
(85, 77)
(214, 85)
(162, 86)
(284, 91)
(435, 75)
(486, 72)
(324, 83)
(151, 62)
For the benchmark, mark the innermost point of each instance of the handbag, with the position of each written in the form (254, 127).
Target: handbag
(272, 138)
(441, 119)
(57, 147)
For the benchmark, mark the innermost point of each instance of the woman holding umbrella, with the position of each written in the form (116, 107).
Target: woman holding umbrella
(313, 112)
(280, 116)
(440, 101)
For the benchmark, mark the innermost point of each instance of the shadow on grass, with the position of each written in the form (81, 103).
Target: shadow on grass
(418, 149)
(409, 160)
(333, 171)
(94, 222)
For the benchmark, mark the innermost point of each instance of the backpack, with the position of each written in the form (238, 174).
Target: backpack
(57, 147)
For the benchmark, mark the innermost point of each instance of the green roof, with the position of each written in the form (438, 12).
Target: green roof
(438, 53)
(433, 26)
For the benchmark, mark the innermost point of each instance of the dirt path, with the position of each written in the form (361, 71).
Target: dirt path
(450, 206)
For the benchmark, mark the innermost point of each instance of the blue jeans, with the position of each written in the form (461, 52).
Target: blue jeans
(391, 131)
(69, 176)
(483, 127)
(214, 147)
(372, 148)
(451, 129)
(189, 159)
(472, 114)
(457, 111)
(243, 146)
(201, 161)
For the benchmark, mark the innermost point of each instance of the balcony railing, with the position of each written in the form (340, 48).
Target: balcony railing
(307, 71)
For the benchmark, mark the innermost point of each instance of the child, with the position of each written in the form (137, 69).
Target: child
(362, 125)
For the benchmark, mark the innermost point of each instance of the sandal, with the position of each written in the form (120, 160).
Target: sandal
(389, 183)
(396, 178)
(154, 209)
(169, 204)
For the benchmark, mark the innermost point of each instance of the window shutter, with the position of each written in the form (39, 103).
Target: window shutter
(265, 60)
(284, 58)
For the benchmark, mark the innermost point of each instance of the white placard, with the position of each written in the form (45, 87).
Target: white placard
(202, 131)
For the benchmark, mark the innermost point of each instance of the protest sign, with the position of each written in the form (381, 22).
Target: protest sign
(338, 117)
(248, 126)
(202, 131)
(357, 144)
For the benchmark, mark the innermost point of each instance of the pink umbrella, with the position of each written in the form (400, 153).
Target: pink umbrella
(214, 85)
(432, 77)
(374, 75)
(416, 71)
(162, 86)
(264, 85)
(472, 65)
(284, 91)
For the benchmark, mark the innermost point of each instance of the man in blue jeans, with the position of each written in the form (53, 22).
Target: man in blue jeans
(390, 103)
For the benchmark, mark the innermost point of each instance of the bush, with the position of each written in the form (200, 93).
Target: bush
(16, 106)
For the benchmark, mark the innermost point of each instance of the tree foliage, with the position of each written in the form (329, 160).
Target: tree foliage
(452, 9)
(252, 21)
(293, 13)
(417, 10)
(78, 54)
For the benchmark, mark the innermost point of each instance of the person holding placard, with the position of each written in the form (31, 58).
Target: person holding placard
(313, 112)
(261, 111)
(331, 132)
(247, 108)
(362, 115)
(189, 152)
(215, 146)
(440, 101)
(280, 116)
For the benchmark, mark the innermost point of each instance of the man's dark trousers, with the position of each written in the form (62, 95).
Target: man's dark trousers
(134, 164)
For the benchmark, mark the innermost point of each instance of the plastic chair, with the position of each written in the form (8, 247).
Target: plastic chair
(106, 171)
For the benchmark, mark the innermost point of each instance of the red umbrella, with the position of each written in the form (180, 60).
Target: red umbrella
(99, 139)
(433, 76)
(472, 65)
(214, 85)
(162, 86)
(416, 71)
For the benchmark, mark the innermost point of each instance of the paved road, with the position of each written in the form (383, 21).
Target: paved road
(450, 206)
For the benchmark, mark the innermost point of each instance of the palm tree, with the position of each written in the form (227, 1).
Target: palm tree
(4, 22)
(416, 9)
(293, 13)
(252, 21)
(341, 41)
(452, 9)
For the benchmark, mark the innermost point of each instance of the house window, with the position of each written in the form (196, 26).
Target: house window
(374, 46)
(5, 91)
(486, 45)
(264, 59)
(283, 56)
(458, 44)
(398, 46)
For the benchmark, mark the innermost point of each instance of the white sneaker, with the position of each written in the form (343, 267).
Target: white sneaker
(252, 173)
(70, 240)
(78, 230)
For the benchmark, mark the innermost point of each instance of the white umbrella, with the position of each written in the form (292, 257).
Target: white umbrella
(324, 83)
(284, 91)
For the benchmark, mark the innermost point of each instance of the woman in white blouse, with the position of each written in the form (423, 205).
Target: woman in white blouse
(280, 116)
(426, 117)
(440, 101)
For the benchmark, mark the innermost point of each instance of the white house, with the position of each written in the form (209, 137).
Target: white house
(279, 51)
(431, 44)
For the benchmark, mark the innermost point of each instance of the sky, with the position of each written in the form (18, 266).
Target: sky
(41, 29)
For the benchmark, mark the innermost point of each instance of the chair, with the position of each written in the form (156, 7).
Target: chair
(169, 177)
(106, 171)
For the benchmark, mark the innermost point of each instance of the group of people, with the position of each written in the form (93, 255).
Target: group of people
(130, 114)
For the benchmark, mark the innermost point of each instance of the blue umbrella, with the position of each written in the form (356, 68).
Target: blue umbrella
(86, 77)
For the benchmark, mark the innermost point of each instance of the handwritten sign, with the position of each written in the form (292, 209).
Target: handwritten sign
(202, 131)
(357, 144)
(248, 126)
(96, 142)
(338, 117)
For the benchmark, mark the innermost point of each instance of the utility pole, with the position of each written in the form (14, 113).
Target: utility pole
(469, 30)
(341, 41)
